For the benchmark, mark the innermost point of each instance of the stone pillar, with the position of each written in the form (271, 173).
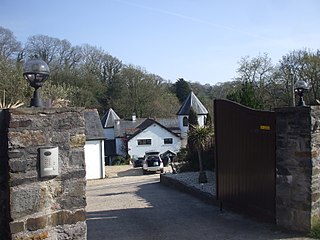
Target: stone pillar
(298, 167)
(45, 207)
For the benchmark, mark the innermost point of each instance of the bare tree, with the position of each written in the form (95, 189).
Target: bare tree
(44, 47)
(8, 43)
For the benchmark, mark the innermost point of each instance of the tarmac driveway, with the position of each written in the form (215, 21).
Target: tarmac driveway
(134, 206)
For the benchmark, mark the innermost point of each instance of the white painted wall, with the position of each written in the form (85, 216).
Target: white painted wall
(201, 120)
(94, 158)
(184, 129)
(157, 134)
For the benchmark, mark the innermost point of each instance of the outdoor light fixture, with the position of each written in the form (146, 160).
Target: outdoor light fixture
(36, 72)
(299, 88)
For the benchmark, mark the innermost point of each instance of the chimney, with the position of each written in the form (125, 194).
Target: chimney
(134, 118)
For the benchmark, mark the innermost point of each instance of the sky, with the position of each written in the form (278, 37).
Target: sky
(198, 40)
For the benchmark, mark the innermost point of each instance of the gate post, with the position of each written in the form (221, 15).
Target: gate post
(298, 167)
(36, 204)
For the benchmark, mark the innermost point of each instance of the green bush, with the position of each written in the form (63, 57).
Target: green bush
(188, 160)
(119, 160)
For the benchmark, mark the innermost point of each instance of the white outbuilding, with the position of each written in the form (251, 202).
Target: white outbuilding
(94, 146)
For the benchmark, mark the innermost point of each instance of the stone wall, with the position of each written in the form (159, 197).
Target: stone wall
(298, 169)
(44, 207)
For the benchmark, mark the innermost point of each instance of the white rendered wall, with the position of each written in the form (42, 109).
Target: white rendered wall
(183, 129)
(157, 134)
(201, 120)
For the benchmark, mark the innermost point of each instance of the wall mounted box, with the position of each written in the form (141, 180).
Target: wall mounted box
(49, 161)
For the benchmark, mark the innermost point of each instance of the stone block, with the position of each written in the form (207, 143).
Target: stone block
(16, 227)
(67, 217)
(74, 196)
(24, 200)
(76, 231)
(20, 123)
(15, 153)
(37, 223)
(19, 178)
(74, 173)
(315, 197)
(77, 140)
(26, 138)
(77, 159)
(57, 136)
(18, 165)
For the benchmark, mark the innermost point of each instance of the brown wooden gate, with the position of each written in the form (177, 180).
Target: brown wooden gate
(245, 159)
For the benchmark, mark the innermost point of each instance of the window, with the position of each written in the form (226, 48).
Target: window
(185, 121)
(144, 141)
(168, 141)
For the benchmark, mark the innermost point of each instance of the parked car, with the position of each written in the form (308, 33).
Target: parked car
(152, 162)
(138, 162)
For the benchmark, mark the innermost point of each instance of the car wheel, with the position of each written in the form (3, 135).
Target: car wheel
(144, 172)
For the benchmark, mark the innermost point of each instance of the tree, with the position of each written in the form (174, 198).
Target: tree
(201, 138)
(193, 117)
(246, 96)
(8, 44)
(12, 84)
(181, 89)
(255, 74)
(44, 47)
(134, 90)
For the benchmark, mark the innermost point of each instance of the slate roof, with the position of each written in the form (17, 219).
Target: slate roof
(93, 127)
(126, 127)
(147, 123)
(194, 102)
(129, 127)
(108, 120)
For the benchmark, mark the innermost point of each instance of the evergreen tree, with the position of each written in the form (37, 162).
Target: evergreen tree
(246, 96)
(182, 89)
(193, 118)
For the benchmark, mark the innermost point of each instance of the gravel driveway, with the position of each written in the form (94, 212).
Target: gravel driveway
(129, 205)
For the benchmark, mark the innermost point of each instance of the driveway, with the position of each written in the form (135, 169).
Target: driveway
(129, 205)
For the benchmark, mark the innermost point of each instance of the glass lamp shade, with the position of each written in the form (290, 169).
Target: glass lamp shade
(36, 71)
(300, 86)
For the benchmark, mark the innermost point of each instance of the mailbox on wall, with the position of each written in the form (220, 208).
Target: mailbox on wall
(49, 161)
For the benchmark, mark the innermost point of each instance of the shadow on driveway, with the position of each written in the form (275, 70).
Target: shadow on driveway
(162, 213)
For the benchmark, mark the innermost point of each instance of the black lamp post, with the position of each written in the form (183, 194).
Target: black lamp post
(36, 72)
(299, 88)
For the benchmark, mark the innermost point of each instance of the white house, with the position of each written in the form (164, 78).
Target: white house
(151, 135)
(94, 146)
(137, 135)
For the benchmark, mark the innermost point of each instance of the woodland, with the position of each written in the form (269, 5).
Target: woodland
(88, 76)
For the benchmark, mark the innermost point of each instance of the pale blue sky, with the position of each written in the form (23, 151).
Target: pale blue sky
(199, 40)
